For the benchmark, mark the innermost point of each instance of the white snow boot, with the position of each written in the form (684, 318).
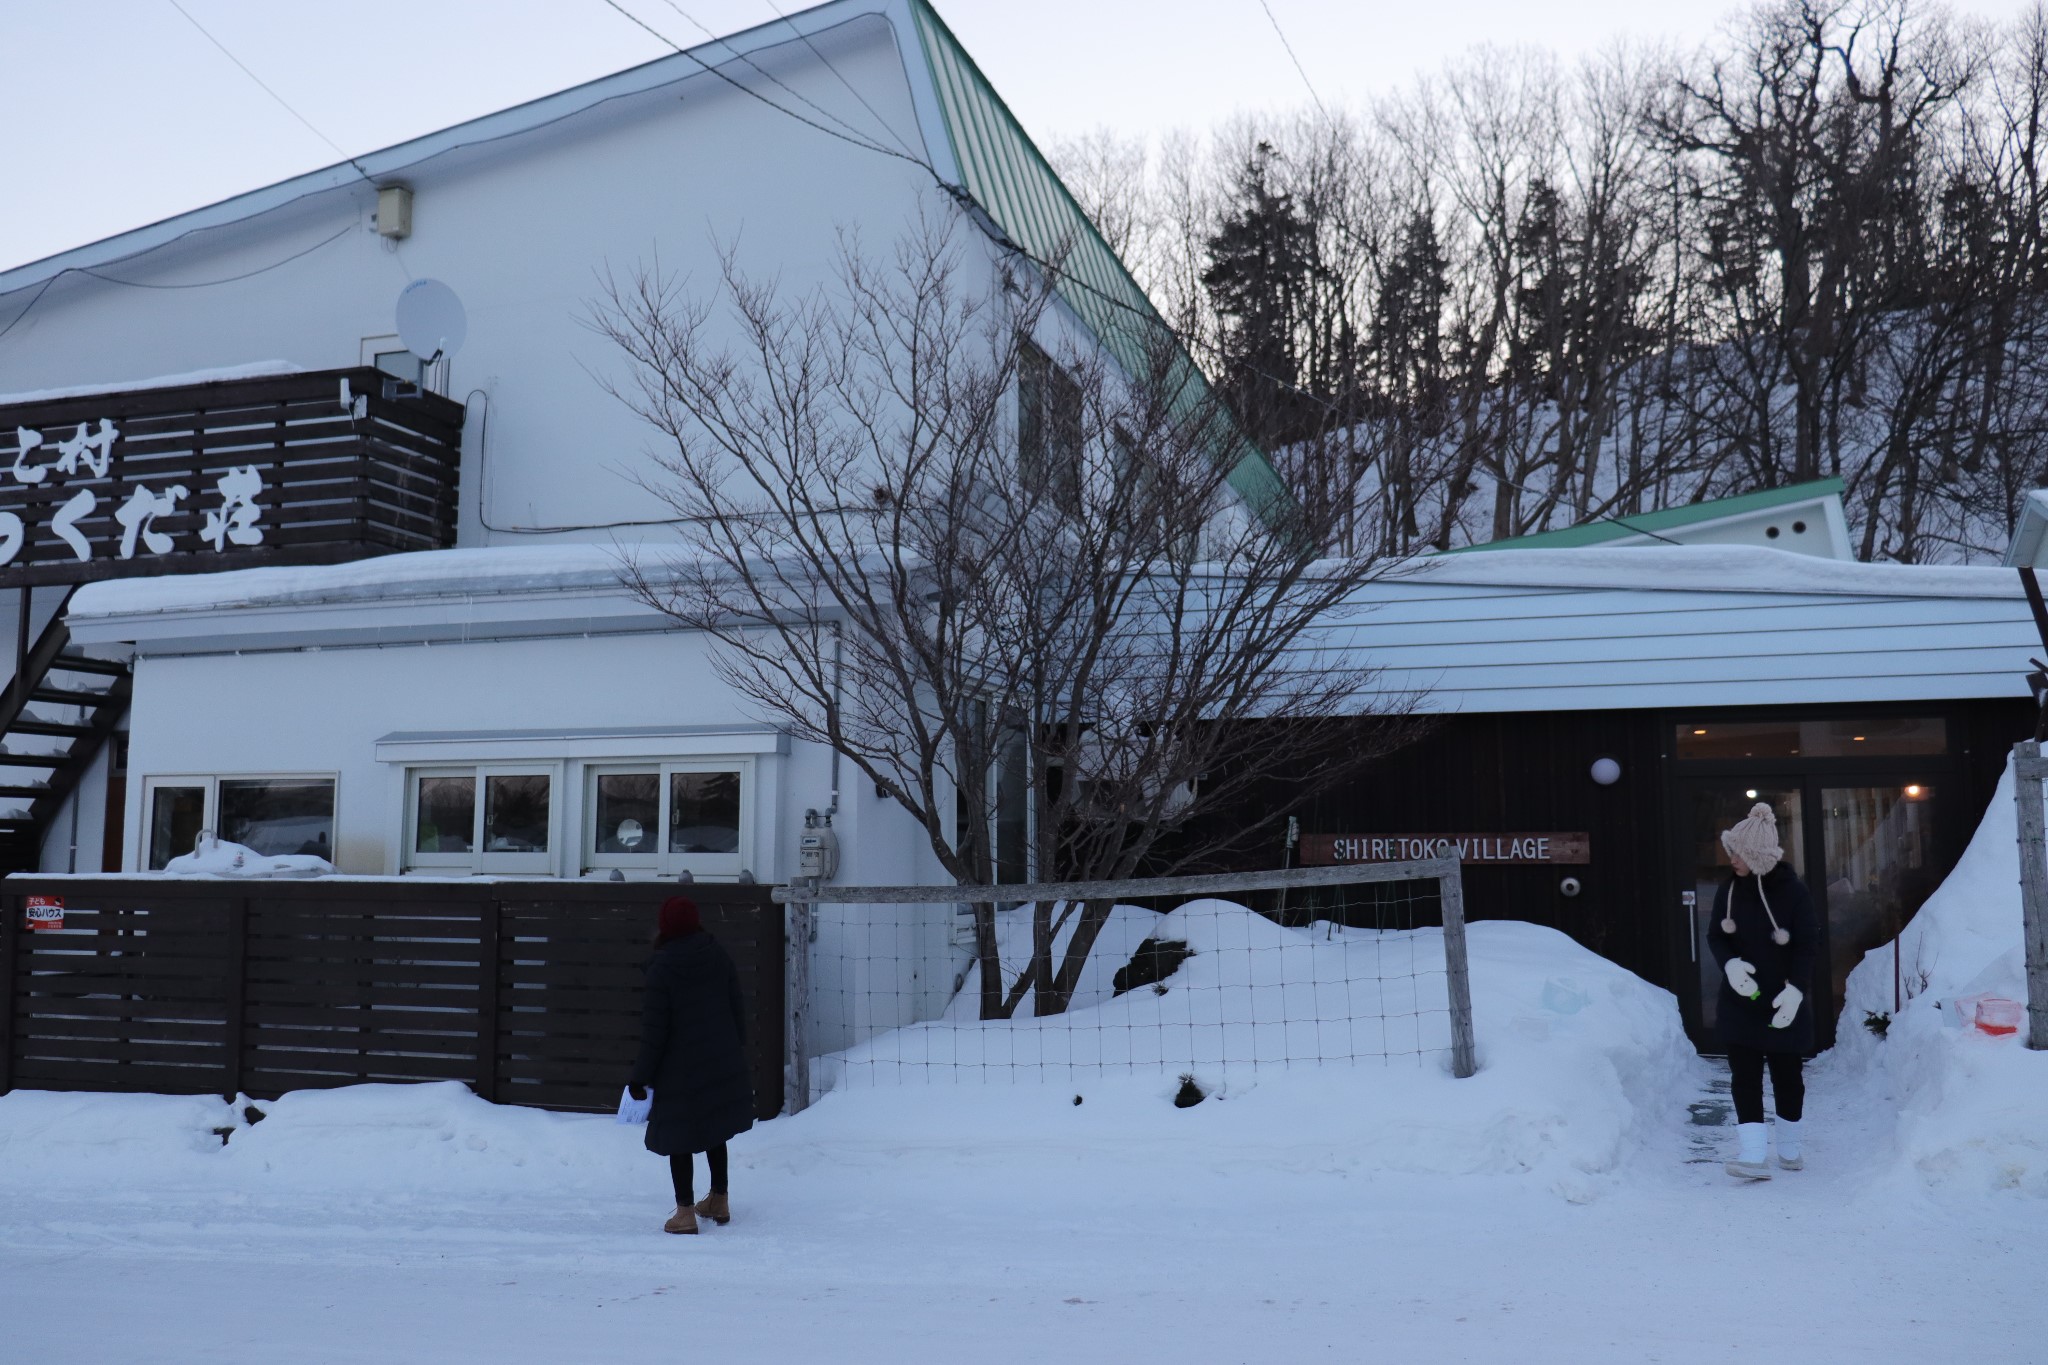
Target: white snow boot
(1752, 1155)
(1790, 1155)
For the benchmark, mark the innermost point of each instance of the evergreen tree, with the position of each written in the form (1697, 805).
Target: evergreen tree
(1261, 264)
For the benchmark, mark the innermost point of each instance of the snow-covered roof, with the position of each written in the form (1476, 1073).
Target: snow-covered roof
(1513, 630)
(1805, 517)
(1687, 626)
(260, 369)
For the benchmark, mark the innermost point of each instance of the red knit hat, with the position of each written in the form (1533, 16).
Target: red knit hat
(679, 919)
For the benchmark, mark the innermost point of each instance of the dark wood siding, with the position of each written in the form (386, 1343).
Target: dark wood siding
(1530, 771)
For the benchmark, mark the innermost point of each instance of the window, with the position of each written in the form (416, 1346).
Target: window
(481, 819)
(273, 815)
(665, 818)
(1048, 429)
(1835, 737)
(401, 365)
(389, 354)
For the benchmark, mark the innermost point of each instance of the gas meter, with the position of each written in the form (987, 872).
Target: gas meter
(817, 849)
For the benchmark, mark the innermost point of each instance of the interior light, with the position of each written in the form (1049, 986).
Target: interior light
(1699, 732)
(1859, 739)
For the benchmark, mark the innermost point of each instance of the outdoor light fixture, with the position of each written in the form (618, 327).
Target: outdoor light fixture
(1606, 771)
(1751, 793)
(1699, 732)
(1913, 791)
(1858, 739)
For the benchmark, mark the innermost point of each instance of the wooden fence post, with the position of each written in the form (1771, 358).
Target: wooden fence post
(11, 913)
(235, 994)
(487, 1001)
(797, 1096)
(1457, 973)
(2028, 769)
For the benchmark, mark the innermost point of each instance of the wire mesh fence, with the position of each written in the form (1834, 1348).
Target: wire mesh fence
(1306, 967)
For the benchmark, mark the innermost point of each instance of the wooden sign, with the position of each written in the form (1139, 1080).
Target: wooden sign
(1479, 850)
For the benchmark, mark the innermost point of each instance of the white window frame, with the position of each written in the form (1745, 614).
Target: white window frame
(210, 816)
(723, 867)
(479, 860)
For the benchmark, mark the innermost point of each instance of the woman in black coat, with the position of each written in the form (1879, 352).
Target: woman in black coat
(1766, 937)
(692, 1036)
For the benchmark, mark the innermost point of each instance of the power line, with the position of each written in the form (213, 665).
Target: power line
(1299, 69)
(265, 87)
(225, 279)
(792, 92)
(26, 308)
(852, 89)
(748, 90)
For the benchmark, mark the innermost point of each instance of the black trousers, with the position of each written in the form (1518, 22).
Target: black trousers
(682, 1174)
(1788, 1086)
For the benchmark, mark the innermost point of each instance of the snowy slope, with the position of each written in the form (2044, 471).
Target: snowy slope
(1972, 1109)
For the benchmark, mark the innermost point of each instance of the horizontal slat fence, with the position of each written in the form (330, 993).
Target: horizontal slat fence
(527, 992)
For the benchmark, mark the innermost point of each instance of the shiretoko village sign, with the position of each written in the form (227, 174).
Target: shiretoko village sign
(1475, 849)
(301, 468)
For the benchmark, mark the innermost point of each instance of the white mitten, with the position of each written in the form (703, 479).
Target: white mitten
(1786, 1005)
(1742, 977)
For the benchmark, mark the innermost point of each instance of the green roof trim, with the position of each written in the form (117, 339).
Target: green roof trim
(1003, 170)
(1611, 529)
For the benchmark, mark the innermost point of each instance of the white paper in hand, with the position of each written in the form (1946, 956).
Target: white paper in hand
(632, 1110)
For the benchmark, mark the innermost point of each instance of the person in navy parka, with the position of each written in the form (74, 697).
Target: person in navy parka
(692, 1055)
(1766, 937)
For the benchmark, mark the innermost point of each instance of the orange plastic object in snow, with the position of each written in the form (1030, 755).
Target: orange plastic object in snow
(1999, 1017)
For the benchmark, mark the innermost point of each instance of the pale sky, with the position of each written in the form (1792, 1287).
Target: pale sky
(118, 113)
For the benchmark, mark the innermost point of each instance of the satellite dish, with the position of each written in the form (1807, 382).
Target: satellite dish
(431, 322)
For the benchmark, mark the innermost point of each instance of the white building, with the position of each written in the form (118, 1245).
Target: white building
(496, 704)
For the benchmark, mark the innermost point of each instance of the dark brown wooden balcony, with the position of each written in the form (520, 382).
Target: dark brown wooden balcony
(311, 468)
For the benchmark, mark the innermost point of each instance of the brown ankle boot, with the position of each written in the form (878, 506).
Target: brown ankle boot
(715, 1207)
(684, 1219)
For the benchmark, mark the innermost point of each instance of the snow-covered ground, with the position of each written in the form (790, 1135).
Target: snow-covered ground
(1563, 1205)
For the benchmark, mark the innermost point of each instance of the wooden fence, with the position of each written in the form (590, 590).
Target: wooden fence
(529, 992)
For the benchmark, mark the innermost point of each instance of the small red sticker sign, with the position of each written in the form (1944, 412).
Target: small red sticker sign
(46, 912)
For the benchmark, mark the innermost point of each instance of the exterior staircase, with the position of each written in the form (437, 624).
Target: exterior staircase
(54, 717)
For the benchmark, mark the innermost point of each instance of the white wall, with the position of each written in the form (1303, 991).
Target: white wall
(523, 231)
(323, 711)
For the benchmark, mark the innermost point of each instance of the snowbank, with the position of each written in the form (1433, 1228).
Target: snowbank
(212, 857)
(432, 1137)
(1578, 1057)
(1972, 1108)
(1579, 1061)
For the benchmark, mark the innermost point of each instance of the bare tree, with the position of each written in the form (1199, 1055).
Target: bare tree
(921, 531)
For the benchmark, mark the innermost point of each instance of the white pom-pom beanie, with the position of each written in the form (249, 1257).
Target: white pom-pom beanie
(1754, 839)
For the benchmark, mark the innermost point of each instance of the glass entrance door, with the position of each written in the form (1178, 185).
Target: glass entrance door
(1879, 850)
(1873, 843)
